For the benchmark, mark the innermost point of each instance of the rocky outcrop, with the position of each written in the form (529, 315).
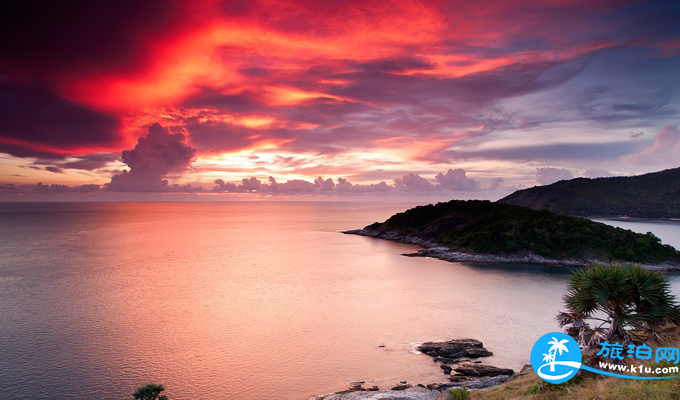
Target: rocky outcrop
(456, 358)
(435, 250)
(403, 385)
(394, 236)
(455, 349)
(413, 393)
(480, 370)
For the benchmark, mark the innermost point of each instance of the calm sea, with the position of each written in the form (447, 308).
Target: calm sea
(244, 300)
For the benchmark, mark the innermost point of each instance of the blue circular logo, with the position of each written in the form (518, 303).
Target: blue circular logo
(556, 357)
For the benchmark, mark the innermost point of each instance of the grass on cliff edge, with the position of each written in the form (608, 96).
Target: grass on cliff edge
(528, 386)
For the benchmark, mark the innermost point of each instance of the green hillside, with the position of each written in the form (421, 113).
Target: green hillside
(654, 195)
(494, 228)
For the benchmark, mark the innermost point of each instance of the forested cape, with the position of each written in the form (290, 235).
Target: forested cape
(479, 226)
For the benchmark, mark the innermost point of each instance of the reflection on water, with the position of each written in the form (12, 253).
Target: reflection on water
(240, 300)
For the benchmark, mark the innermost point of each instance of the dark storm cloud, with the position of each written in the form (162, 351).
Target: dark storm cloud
(86, 162)
(155, 155)
(391, 65)
(89, 162)
(45, 46)
(22, 150)
(72, 36)
(37, 122)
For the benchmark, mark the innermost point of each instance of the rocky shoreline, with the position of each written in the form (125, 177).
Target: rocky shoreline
(458, 360)
(436, 250)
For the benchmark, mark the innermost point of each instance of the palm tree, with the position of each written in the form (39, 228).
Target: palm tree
(626, 303)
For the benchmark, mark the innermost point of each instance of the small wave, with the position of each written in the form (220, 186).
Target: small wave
(10, 278)
(414, 347)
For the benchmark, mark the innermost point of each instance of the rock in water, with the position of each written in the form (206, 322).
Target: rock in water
(479, 370)
(402, 386)
(456, 348)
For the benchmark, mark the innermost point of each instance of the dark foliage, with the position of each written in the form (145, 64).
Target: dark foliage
(150, 392)
(655, 195)
(494, 228)
(619, 303)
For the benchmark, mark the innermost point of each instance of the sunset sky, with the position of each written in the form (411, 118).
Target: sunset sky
(253, 99)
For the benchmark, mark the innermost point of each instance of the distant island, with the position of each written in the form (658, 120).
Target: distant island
(482, 231)
(654, 195)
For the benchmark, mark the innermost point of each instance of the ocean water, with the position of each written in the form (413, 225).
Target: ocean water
(244, 300)
(668, 231)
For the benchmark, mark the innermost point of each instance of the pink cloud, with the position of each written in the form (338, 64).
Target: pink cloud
(549, 175)
(664, 151)
(593, 173)
(456, 179)
(413, 183)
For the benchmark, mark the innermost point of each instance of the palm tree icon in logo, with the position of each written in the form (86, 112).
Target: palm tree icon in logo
(556, 346)
(556, 357)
